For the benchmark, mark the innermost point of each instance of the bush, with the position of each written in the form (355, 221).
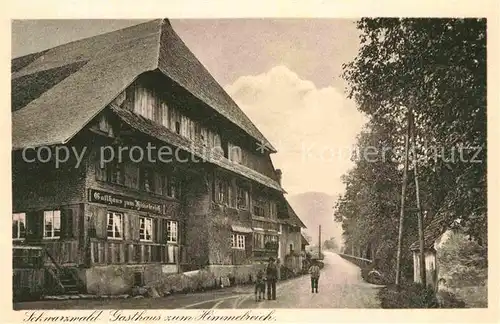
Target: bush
(408, 295)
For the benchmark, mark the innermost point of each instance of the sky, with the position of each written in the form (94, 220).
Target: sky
(285, 74)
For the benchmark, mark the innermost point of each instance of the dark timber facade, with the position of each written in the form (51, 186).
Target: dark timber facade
(103, 223)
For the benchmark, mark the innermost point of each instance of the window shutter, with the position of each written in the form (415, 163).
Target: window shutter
(101, 223)
(134, 227)
(126, 227)
(67, 223)
(162, 238)
(34, 224)
(157, 229)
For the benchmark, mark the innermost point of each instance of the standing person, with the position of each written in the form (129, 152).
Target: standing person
(314, 271)
(272, 275)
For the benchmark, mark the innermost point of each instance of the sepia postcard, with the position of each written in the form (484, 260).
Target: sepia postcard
(273, 167)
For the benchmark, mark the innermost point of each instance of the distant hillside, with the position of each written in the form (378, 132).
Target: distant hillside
(316, 208)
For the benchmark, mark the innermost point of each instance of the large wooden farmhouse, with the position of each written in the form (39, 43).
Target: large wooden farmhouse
(212, 197)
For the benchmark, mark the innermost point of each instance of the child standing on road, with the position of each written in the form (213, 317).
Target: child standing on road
(260, 286)
(314, 271)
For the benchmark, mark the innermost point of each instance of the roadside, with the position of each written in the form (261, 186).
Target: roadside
(173, 301)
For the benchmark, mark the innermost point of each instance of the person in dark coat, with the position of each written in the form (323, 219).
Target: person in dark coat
(314, 271)
(272, 276)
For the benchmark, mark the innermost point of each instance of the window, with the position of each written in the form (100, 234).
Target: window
(238, 241)
(19, 226)
(146, 229)
(175, 120)
(104, 125)
(52, 224)
(230, 196)
(115, 173)
(258, 207)
(258, 240)
(271, 242)
(164, 114)
(234, 153)
(172, 231)
(217, 143)
(222, 191)
(147, 180)
(291, 247)
(242, 198)
(273, 210)
(204, 136)
(171, 187)
(115, 225)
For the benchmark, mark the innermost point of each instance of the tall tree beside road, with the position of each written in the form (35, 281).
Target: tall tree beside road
(436, 67)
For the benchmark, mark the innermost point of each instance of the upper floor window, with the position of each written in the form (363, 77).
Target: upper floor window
(115, 173)
(175, 121)
(52, 224)
(19, 226)
(234, 153)
(273, 209)
(112, 172)
(146, 229)
(231, 196)
(221, 191)
(171, 186)
(147, 179)
(217, 143)
(115, 225)
(242, 198)
(104, 125)
(259, 207)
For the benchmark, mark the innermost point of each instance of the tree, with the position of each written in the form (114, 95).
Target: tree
(436, 67)
(369, 208)
(330, 244)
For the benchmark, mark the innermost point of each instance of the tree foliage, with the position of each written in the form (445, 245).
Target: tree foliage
(330, 244)
(436, 68)
(463, 262)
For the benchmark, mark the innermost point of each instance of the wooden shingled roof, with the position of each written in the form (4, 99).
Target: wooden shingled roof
(56, 92)
(303, 239)
(436, 227)
(293, 218)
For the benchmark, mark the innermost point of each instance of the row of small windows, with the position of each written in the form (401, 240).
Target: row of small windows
(147, 228)
(115, 227)
(144, 178)
(51, 225)
(236, 196)
(148, 104)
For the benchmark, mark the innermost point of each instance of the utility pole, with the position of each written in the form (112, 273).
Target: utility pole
(423, 278)
(403, 195)
(319, 242)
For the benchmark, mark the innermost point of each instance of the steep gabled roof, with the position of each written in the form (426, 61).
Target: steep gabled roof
(303, 239)
(55, 93)
(293, 218)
